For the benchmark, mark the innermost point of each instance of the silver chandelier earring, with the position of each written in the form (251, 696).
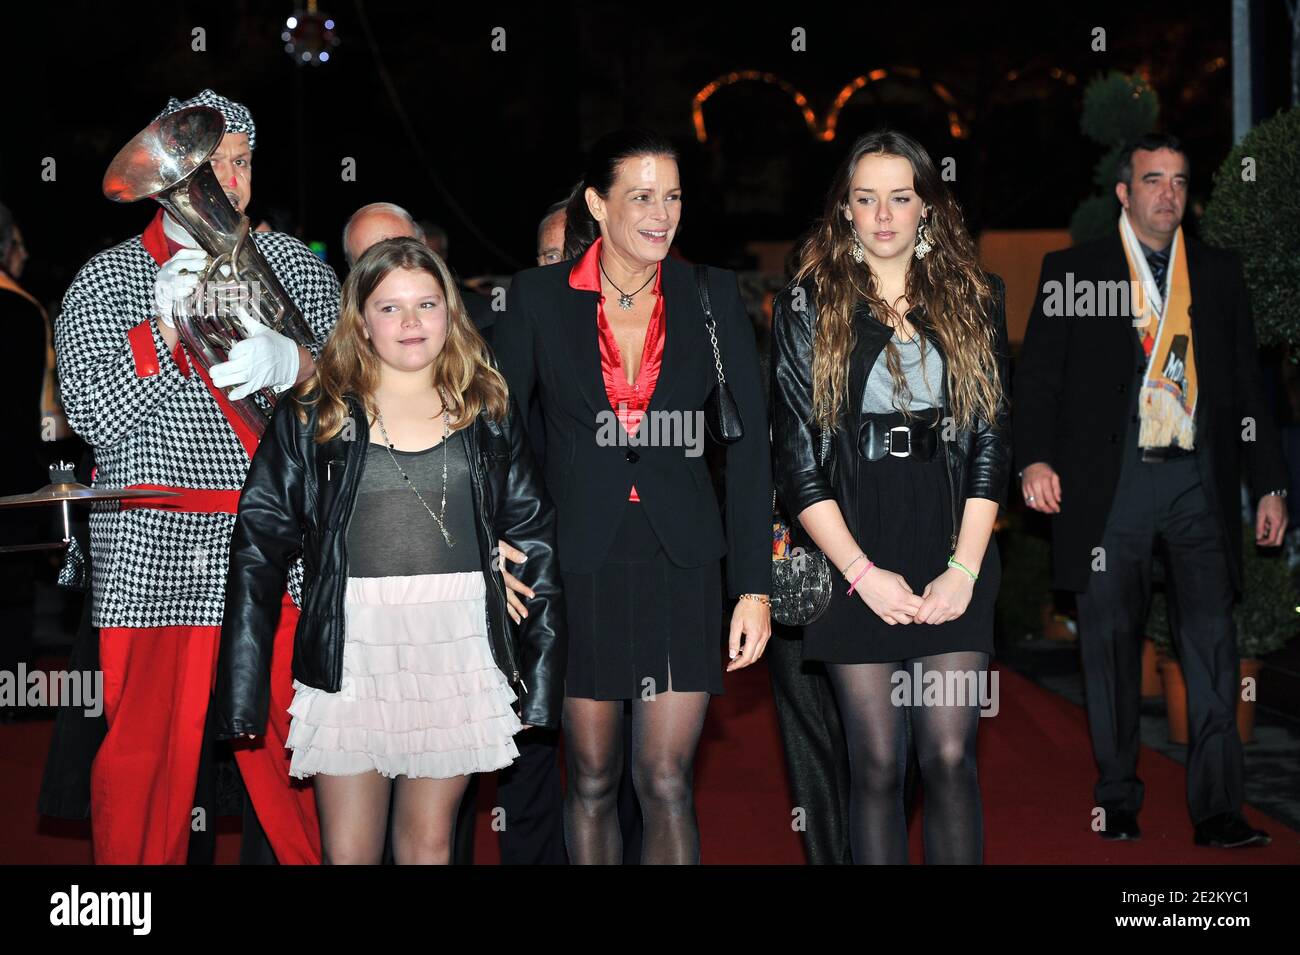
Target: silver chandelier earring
(923, 245)
(858, 252)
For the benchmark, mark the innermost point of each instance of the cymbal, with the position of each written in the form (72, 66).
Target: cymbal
(17, 548)
(57, 493)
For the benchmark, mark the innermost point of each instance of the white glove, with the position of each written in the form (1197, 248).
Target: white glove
(176, 280)
(265, 359)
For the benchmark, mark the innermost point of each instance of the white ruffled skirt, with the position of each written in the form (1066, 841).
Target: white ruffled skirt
(421, 694)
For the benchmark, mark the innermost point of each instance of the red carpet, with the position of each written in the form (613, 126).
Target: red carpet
(1035, 766)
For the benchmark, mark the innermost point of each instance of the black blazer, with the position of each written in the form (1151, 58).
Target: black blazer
(547, 348)
(1074, 399)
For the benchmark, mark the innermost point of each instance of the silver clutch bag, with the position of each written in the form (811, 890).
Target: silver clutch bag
(801, 580)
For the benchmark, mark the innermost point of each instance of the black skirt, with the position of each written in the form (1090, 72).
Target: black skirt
(904, 524)
(639, 617)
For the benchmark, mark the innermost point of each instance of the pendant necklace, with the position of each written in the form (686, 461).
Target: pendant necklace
(446, 433)
(624, 300)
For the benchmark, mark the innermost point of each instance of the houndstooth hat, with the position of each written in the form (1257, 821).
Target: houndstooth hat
(238, 118)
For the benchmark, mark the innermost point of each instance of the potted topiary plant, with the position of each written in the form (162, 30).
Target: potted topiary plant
(1117, 107)
(1266, 619)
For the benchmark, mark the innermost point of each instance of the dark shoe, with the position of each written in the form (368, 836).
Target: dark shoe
(1121, 824)
(1229, 830)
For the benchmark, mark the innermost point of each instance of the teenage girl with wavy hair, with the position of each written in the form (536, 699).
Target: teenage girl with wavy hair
(396, 469)
(891, 342)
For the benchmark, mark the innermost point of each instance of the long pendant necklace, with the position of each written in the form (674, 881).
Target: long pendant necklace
(624, 300)
(446, 433)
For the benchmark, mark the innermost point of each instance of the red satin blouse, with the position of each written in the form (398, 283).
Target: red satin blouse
(629, 402)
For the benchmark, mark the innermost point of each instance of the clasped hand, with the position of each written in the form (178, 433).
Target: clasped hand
(891, 598)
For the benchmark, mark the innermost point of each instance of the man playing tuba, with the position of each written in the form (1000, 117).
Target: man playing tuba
(158, 419)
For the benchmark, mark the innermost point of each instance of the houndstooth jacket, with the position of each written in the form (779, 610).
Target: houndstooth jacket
(157, 568)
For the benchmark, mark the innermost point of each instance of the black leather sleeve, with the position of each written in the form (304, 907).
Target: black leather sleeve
(268, 532)
(526, 519)
(989, 469)
(1040, 375)
(1265, 466)
(800, 480)
(749, 470)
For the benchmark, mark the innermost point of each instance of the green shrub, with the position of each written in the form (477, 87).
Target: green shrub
(1258, 216)
(1266, 616)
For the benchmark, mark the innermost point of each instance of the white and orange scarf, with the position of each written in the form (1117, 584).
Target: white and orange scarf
(1167, 405)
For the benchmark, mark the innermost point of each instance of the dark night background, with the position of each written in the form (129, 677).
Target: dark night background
(503, 133)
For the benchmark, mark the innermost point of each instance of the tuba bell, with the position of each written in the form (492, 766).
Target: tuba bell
(168, 162)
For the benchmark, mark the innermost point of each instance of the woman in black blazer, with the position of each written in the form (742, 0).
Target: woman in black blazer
(614, 347)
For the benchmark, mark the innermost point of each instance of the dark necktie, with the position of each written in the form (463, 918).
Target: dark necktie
(1159, 265)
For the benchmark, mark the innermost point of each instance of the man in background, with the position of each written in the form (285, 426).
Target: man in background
(21, 382)
(476, 303)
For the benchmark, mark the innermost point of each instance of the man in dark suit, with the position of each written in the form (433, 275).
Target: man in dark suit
(1137, 399)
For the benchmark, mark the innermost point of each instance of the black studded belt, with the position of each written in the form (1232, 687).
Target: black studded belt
(882, 436)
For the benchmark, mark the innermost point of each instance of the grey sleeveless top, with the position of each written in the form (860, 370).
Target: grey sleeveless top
(392, 535)
(926, 386)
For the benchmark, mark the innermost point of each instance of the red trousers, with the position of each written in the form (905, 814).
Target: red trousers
(157, 685)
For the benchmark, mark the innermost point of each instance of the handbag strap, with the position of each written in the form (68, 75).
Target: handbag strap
(702, 282)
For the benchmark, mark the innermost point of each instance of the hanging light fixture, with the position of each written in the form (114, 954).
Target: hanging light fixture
(309, 36)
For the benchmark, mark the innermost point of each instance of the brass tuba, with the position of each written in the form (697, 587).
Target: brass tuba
(168, 161)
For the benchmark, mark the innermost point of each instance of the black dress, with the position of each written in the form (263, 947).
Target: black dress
(904, 524)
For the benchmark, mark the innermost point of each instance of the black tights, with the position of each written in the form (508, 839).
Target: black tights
(876, 731)
(665, 732)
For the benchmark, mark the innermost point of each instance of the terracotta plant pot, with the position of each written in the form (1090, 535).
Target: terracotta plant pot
(1056, 627)
(1171, 675)
(1151, 685)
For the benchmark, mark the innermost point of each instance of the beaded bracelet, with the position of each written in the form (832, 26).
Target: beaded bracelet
(852, 562)
(952, 562)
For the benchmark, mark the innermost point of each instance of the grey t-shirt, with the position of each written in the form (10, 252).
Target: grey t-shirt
(392, 535)
(926, 386)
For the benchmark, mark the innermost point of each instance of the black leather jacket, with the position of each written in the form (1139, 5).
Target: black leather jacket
(300, 495)
(978, 458)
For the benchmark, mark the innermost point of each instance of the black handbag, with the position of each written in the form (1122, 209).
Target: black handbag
(801, 582)
(721, 416)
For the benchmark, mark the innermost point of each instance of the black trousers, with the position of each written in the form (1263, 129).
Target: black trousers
(1162, 507)
(529, 793)
(816, 756)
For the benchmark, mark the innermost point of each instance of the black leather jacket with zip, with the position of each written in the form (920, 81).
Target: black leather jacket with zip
(299, 496)
(978, 458)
